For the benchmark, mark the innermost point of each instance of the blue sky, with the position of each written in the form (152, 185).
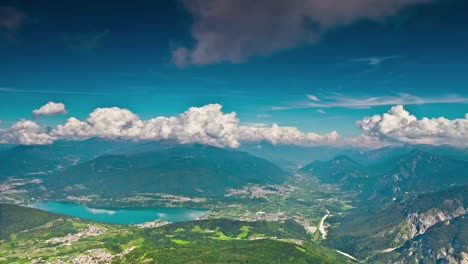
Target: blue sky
(87, 55)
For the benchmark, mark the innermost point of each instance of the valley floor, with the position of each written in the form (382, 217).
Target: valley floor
(288, 223)
(301, 200)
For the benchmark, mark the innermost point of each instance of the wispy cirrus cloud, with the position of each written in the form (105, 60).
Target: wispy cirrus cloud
(356, 102)
(313, 97)
(85, 42)
(375, 61)
(14, 90)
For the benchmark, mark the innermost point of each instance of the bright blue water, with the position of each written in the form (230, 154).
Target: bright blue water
(120, 216)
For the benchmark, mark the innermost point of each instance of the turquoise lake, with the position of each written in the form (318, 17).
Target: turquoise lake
(121, 215)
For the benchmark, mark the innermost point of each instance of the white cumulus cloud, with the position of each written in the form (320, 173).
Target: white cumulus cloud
(398, 125)
(206, 125)
(209, 125)
(26, 132)
(50, 109)
(353, 102)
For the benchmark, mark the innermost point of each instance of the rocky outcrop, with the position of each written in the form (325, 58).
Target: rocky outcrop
(421, 222)
(445, 242)
(417, 223)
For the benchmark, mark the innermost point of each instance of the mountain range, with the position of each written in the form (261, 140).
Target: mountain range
(409, 200)
(393, 175)
(185, 170)
(411, 203)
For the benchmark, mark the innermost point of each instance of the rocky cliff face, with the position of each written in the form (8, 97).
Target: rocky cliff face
(418, 223)
(421, 222)
(444, 242)
(431, 228)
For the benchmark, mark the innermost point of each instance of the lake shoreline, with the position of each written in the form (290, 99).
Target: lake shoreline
(127, 216)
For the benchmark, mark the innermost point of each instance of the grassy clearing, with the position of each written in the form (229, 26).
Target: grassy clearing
(180, 241)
